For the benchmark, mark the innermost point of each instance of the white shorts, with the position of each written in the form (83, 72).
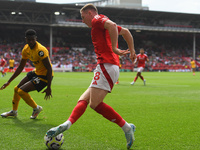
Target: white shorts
(1, 68)
(105, 76)
(140, 69)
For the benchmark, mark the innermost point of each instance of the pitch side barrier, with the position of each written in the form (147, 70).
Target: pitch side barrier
(54, 69)
(121, 70)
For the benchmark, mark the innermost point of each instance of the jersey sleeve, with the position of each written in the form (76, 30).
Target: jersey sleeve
(24, 53)
(43, 53)
(99, 21)
(119, 28)
(146, 57)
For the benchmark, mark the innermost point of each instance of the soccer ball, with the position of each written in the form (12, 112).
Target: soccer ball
(54, 142)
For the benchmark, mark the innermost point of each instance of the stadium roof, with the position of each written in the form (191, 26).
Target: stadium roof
(43, 14)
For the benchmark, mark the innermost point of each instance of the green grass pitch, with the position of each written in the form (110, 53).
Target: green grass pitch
(166, 113)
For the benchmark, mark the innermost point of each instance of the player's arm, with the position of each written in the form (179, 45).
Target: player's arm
(135, 61)
(130, 42)
(147, 59)
(17, 72)
(113, 32)
(47, 65)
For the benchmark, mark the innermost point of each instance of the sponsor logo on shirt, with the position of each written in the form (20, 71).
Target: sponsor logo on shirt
(41, 53)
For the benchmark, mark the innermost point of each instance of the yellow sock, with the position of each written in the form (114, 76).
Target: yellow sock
(27, 98)
(16, 98)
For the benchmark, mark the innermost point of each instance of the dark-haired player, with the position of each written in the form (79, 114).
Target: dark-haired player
(35, 80)
(2, 65)
(105, 40)
(141, 59)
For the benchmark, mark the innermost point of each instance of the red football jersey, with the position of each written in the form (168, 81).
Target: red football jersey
(3, 61)
(141, 60)
(102, 42)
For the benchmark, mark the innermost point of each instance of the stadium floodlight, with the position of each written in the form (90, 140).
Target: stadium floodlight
(13, 13)
(56, 13)
(19, 13)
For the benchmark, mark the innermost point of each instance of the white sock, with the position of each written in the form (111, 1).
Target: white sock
(14, 111)
(67, 123)
(36, 107)
(126, 127)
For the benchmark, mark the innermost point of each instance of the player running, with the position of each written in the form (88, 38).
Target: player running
(105, 40)
(11, 65)
(193, 66)
(35, 80)
(141, 59)
(2, 66)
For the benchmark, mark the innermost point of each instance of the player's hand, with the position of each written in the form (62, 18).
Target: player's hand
(5, 85)
(132, 57)
(48, 94)
(123, 52)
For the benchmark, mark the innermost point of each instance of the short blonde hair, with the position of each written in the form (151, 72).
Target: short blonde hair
(89, 6)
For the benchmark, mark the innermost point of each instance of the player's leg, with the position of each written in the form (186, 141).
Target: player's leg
(9, 69)
(80, 108)
(16, 99)
(105, 78)
(96, 103)
(34, 83)
(24, 94)
(135, 79)
(140, 75)
(77, 112)
(2, 71)
(193, 69)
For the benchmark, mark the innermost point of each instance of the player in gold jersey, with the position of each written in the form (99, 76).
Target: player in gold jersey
(11, 65)
(193, 66)
(35, 80)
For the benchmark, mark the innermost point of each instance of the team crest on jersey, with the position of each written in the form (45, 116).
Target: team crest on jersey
(41, 53)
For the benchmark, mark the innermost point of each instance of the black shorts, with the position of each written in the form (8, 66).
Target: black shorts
(39, 81)
(11, 67)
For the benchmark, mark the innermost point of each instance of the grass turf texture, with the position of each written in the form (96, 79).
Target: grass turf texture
(165, 111)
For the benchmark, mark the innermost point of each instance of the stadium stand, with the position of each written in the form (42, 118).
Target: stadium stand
(166, 37)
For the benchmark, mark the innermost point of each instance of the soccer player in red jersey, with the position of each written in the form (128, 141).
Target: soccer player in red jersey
(104, 34)
(2, 65)
(141, 59)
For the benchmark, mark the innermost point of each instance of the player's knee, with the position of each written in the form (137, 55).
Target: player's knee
(16, 89)
(20, 92)
(92, 105)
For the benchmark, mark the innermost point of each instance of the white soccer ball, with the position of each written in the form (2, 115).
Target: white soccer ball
(54, 142)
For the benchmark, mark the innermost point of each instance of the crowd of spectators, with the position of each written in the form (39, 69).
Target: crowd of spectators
(164, 54)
